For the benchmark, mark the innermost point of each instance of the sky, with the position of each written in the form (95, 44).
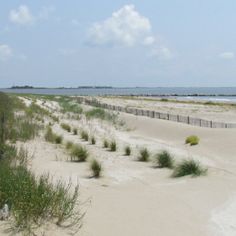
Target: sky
(150, 43)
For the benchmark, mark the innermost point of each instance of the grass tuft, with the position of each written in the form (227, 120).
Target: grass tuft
(189, 167)
(127, 151)
(93, 140)
(113, 146)
(164, 160)
(84, 135)
(144, 155)
(69, 145)
(66, 127)
(75, 131)
(105, 144)
(78, 153)
(96, 168)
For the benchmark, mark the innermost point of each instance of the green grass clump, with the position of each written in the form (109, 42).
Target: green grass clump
(192, 140)
(113, 146)
(164, 160)
(93, 140)
(75, 131)
(127, 151)
(52, 137)
(96, 168)
(69, 145)
(99, 113)
(23, 129)
(33, 200)
(84, 135)
(189, 167)
(66, 127)
(58, 139)
(105, 144)
(144, 155)
(49, 135)
(78, 153)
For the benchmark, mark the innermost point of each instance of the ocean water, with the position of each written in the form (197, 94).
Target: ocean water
(221, 94)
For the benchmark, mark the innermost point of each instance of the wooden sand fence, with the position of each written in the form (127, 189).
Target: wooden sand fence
(158, 115)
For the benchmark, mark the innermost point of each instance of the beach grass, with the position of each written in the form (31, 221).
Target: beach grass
(96, 168)
(66, 127)
(144, 155)
(189, 167)
(127, 150)
(78, 153)
(164, 160)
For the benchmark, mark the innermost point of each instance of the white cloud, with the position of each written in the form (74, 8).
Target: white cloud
(149, 40)
(227, 55)
(21, 16)
(162, 53)
(45, 12)
(125, 27)
(5, 52)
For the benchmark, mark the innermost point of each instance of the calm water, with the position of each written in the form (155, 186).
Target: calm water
(187, 93)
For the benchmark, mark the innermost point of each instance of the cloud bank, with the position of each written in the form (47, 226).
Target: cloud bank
(125, 27)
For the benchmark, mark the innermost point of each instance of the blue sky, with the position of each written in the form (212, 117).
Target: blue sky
(118, 43)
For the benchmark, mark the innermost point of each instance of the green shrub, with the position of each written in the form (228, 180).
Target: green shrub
(144, 155)
(96, 168)
(100, 113)
(84, 135)
(164, 160)
(192, 140)
(75, 131)
(66, 127)
(78, 153)
(105, 144)
(93, 140)
(189, 167)
(113, 146)
(69, 145)
(127, 151)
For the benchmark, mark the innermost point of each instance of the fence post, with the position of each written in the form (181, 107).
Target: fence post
(188, 120)
(211, 124)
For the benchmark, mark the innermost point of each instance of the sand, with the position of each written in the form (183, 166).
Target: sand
(133, 198)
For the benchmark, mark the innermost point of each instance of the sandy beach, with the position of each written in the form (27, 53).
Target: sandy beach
(134, 198)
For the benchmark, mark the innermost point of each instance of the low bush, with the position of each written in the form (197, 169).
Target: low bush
(189, 167)
(192, 140)
(78, 153)
(96, 168)
(144, 155)
(113, 146)
(164, 160)
(127, 151)
(66, 127)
